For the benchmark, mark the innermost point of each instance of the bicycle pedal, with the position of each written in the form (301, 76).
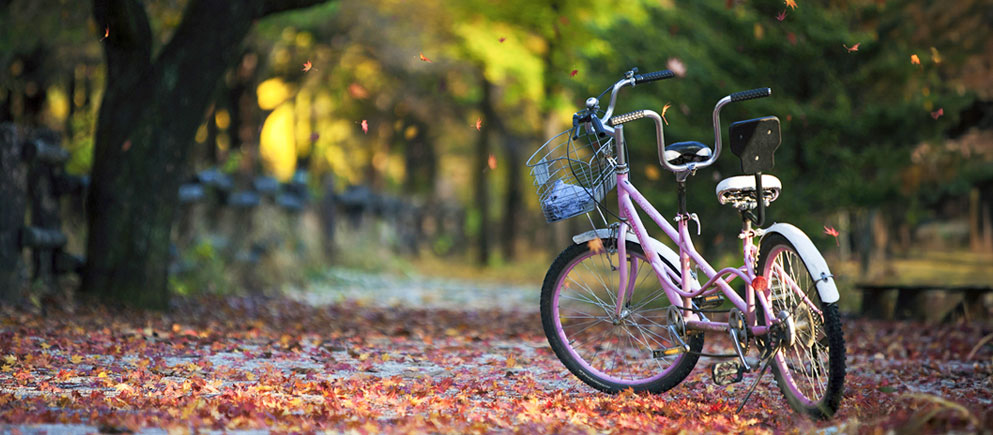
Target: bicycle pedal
(709, 302)
(669, 352)
(727, 372)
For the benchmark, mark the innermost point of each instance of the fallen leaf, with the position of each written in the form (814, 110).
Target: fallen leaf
(914, 60)
(491, 162)
(833, 233)
(424, 59)
(791, 4)
(307, 66)
(937, 113)
(479, 124)
(852, 48)
(365, 127)
(665, 109)
(782, 15)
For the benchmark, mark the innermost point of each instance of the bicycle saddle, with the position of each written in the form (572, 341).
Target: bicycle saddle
(680, 153)
(739, 191)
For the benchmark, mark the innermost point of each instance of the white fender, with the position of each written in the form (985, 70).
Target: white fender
(811, 257)
(666, 252)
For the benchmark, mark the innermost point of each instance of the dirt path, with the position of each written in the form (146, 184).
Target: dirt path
(422, 355)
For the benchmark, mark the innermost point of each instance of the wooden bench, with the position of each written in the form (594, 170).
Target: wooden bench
(931, 303)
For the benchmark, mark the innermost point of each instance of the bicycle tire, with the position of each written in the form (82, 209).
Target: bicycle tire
(644, 376)
(816, 336)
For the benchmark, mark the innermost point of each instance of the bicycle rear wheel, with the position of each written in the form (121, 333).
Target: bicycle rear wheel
(810, 371)
(606, 352)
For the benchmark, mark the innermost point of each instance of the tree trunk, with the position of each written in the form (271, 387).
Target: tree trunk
(146, 124)
(13, 188)
(480, 174)
(512, 202)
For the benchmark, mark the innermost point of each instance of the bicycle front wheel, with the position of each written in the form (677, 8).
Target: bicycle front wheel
(810, 368)
(606, 351)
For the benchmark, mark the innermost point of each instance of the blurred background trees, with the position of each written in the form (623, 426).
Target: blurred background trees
(442, 102)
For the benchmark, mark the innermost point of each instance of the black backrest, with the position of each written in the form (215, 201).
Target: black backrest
(754, 142)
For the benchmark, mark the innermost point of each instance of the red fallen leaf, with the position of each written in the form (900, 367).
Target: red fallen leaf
(852, 48)
(573, 73)
(791, 4)
(760, 283)
(365, 127)
(782, 15)
(491, 162)
(126, 146)
(665, 109)
(307, 66)
(937, 113)
(479, 124)
(424, 59)
(832, 232)
(914, 60)
(502, 39)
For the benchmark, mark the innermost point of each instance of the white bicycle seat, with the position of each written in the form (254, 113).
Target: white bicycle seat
(739, 191)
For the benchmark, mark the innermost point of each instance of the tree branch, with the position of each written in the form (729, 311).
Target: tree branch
(276, 6)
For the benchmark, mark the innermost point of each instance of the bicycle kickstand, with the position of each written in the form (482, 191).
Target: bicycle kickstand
(765, 365)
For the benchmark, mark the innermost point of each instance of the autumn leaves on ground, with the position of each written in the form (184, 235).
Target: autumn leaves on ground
(256, 362)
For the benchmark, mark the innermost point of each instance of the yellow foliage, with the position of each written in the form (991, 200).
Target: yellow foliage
(272, 93)
(277, 144)
(58, 103)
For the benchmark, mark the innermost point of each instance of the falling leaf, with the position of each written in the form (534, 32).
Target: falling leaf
(106, 33)
(365, 127)
(126, 146)
(424, 59)
(357, 91)
(573, 73)
(502, 39)
(833, 233)
(791, 4)
(479, 124)
(791, 37)
(676, 66)
(491, 162)
(306, 66)
(665, 109)
(782, 15)
(935, 56)
(937, 113)
(595, 245)
(852, 48)
(315, 136)
(914, 60)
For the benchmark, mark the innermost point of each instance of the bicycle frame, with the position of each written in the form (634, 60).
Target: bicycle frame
(628, 197)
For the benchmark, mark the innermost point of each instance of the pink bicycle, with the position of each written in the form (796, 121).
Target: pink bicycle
(633, 314)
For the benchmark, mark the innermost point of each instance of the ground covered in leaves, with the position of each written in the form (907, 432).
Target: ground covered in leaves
(278, 363)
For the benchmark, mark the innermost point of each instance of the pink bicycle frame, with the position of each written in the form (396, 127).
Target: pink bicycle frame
(680, 295)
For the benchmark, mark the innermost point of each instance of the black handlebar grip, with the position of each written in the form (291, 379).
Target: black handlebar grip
(752, 94)
(653, 76)
(627, 117)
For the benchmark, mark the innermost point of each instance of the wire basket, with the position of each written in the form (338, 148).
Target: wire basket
(572, 175)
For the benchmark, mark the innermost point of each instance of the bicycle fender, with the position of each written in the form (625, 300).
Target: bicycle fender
(811, 257)
(666, 252)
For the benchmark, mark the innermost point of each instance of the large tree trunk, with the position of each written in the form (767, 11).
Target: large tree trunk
(147, 120)
(480, 175)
